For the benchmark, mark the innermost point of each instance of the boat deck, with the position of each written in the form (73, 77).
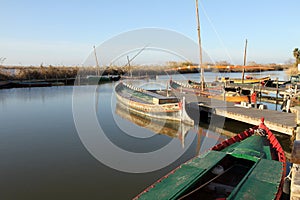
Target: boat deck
(143, 96)
(132, 95)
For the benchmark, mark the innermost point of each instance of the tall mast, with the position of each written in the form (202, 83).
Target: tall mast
(200, 47)
(128, 62)
(97, 63)
(245, 55)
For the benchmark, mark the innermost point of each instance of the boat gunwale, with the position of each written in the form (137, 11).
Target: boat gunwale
(237, 138)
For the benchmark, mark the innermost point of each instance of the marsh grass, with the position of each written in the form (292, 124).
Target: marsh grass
(63, 72)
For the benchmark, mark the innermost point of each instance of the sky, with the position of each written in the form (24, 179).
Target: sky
(63, 32)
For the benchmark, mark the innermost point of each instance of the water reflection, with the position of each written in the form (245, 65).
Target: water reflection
(44, 158)
(169, 128)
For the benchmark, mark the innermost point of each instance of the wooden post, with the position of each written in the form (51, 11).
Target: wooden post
(167, 89)
(224, 92)
(260, 93)
(295, 159)
(276, 92)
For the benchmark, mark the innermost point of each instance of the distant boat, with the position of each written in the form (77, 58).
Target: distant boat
(210, 92)
(6, 84)
(152, 104)
(214, 85)
(98, 79)
(247, 80)
(94, 79)
(135, 77)
(250, 165)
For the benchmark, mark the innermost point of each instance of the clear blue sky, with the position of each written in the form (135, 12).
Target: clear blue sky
(64, 31)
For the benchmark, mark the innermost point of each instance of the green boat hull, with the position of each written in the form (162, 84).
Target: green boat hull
(252, 173)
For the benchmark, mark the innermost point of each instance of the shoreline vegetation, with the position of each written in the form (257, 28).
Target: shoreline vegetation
(21, 73)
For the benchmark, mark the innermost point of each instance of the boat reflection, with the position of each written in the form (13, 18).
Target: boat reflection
(172, 129)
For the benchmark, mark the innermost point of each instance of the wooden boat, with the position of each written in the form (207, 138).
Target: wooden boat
(210, 92)
(215, 85)
(250, 165)
(152, 104)
(5, 84)
(247, 80)
(169, 128)
(102, 79)
(57, 84)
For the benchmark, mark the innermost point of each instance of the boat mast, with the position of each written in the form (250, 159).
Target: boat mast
(200, 47)
(245, 55)
(97, 63)
(128, 62)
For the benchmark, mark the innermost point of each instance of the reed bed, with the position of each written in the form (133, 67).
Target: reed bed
(62, 72)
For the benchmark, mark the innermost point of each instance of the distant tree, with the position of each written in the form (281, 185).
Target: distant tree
(296, 54)
(223, 63)
(252, 63)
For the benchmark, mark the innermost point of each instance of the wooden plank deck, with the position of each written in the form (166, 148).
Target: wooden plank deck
(278, 121)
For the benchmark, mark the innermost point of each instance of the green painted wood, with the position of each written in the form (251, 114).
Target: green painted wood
(266, 176)
(251, 148)
(173, 186)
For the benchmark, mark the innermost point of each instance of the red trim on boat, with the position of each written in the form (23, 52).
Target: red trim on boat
(237, 138)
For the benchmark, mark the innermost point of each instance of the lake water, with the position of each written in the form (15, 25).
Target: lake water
(77, 142)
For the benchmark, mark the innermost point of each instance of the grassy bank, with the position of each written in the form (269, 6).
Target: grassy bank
(61, 72)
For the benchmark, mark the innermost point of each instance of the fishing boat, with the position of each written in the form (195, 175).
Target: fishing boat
(247, 80)
(152, 104)
(94, 79)
(215, 92)
(135, 77)
(216, 85)
(98, 79)
(5, 84)
(250, 165)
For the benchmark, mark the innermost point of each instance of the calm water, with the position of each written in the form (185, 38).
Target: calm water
(51, 146)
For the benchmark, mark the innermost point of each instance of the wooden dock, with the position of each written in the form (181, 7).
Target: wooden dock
(278, 121)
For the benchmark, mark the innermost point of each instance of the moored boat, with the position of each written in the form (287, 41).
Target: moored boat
(152, 104)
(210, 92)
(250, 165)
(92, 79)
(5, 84)
(213, 85)
(135, 77)
(247, 80)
